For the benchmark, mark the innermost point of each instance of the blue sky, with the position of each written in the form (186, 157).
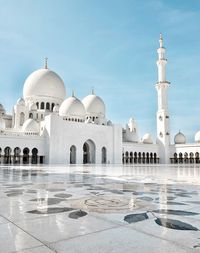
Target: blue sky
(109, 45)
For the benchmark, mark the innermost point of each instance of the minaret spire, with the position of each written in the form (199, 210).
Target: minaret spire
(163, 129)
(161, 40)
(161, 62)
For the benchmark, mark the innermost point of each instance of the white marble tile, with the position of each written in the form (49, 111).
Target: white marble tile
(104, 213)
(3, 220)
(14, 239)
(117, 240)
(118, 217)
(58, 227)
(40, 249)
(187, 238)
(17, 211)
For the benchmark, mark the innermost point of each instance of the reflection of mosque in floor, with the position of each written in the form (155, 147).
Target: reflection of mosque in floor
(46, 127)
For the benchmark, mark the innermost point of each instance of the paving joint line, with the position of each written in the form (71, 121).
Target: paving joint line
(46, 245)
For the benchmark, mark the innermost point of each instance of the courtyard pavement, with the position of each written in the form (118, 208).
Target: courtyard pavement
(76, 209)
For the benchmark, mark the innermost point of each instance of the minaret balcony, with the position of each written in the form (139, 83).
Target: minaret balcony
(162, 84)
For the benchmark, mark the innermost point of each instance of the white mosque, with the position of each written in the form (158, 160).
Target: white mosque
(46, 127)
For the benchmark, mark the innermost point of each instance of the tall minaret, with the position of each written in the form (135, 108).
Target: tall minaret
(163, 131)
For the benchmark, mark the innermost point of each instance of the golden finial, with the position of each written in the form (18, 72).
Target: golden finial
(46, 63)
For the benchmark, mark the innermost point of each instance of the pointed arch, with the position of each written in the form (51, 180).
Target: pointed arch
(131, 157)
(180, 155)
(151, 157)
(72, 154)
(127, 156)
(147, 157)
(26, 155)
(123, 158)
(139, 157)
(34, 158)
(175, 158)
(197, 157)
(16, 158)
(135, 157)
(191, 157)
(21, 119)
(7, 155)
(155, 158)
(47, 106)
(185, 157)
(89, 152)
(143, 157)
(31, 115)
(103, 155)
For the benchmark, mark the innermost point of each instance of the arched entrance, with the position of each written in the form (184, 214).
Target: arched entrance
(126, 156)
(103, 155)
(73, 155)
(25, 156)
(7, 155)
(89, 152)
(147, 159)
(197, 157)
(16, 158)
(34, 159)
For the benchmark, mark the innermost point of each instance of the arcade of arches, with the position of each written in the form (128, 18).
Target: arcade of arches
(139, 157)
(18, 156)
(185, 158)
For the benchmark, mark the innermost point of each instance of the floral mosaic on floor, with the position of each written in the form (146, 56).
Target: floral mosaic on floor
(85, 208)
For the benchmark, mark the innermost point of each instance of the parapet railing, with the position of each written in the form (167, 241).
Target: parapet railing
(11, 132)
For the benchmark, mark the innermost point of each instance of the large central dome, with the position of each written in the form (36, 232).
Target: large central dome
(44, 83)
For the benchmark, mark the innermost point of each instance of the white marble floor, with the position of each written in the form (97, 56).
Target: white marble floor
(99, 209)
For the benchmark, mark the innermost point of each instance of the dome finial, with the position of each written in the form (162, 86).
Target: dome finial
(161, 40)
(73, 93)
(46, 63)
(92, 90)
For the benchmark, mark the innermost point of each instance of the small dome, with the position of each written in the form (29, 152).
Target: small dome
(30, 125)
(2, 124)
(179, 138)
(56, 108)
(32, 107)
(197, 137)
(147, 139)
(94, 105)
(20, 101)
(72, 107)
(44, 83)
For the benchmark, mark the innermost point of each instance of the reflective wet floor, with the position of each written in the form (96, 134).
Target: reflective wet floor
(100, 209)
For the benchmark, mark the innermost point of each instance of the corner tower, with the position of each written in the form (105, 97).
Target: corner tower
(163, 130)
